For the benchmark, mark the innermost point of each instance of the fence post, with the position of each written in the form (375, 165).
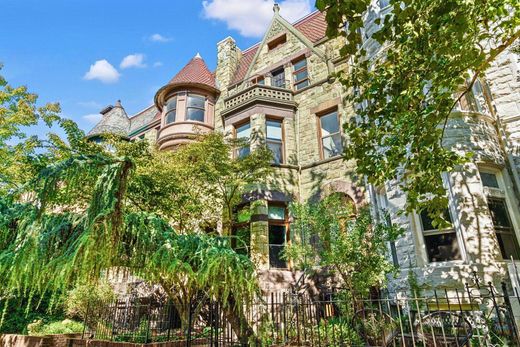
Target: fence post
(85, 321)
(149, 313)
(511, 320)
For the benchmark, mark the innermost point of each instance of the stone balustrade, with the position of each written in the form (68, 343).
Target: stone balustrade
(259, 93)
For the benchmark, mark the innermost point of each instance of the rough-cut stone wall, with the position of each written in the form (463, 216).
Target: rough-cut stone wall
(58, 340)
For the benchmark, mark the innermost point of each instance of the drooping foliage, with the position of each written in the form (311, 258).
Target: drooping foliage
(430, 54)
(351, 246)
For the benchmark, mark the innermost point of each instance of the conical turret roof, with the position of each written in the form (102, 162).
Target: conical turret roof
(195, 72)
(114, 121)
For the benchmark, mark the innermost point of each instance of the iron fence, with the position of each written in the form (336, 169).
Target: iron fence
(479, 315)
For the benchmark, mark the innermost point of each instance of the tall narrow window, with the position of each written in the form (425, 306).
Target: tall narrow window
(504, 230)
(243, 132)
(171, 110)
(278, 79)
(331, 145)
(507, 240)
(441, 244)
(301, 76)
(275, 139)
(277, 236)
(195, 108)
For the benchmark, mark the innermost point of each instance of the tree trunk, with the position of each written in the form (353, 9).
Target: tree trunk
(238, 322)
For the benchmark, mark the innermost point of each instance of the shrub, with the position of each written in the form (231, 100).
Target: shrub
(67, 326)
(87, 302)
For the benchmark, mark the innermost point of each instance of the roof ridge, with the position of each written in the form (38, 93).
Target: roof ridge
(142, 111)
(313, 13)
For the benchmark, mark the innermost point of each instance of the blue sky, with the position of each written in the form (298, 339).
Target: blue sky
(87, 54)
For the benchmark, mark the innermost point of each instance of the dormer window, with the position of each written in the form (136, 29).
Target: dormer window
(171, 110)
(195, 108)
(278, 79)
(277, 42)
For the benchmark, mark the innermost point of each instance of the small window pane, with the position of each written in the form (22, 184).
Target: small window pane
(276, 212)
(196, 101)
(243, 131)
(329, 124)
(508, 246)
(427, 222)
(332, 146)
(170, 116)
(278, 79)
(499, 213)
(300, 75)
(274, 130)
(442, 247)
(299, 64)
(489, 180)
(276, 148)
(172, 104)
(302, 84)
(195, 114)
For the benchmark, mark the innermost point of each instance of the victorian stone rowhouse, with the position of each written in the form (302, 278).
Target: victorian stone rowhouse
(282, 91)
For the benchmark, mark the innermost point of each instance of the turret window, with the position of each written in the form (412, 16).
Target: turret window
(195, 108)
(171, 110)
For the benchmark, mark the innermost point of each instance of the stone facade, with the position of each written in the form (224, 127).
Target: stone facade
(249, 87)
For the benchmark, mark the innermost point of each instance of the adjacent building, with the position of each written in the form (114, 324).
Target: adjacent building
(280, 93)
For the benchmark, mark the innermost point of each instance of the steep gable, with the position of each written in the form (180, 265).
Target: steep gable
(306, 31)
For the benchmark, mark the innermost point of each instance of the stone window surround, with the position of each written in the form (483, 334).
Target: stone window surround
(505, 192)
(182, 106)
(416, 224)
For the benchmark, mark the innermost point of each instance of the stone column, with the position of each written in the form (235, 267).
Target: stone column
(259, 234)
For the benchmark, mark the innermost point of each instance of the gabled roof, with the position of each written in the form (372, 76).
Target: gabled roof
(313, 27)
(195, 72)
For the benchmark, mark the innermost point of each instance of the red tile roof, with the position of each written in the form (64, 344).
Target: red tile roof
(196, 71)
(243, 64)
(313, 27)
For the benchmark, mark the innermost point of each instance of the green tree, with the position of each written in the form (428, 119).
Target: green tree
(429, 49)
(352, 248)
(84, 208)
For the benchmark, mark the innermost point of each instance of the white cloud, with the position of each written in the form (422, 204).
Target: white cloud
(92, 118)
(104, 71)
(132, 60)
(159, 38)
(252, 17)
(157, 64)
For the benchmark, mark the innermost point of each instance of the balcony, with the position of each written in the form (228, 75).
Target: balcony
(258, 94)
